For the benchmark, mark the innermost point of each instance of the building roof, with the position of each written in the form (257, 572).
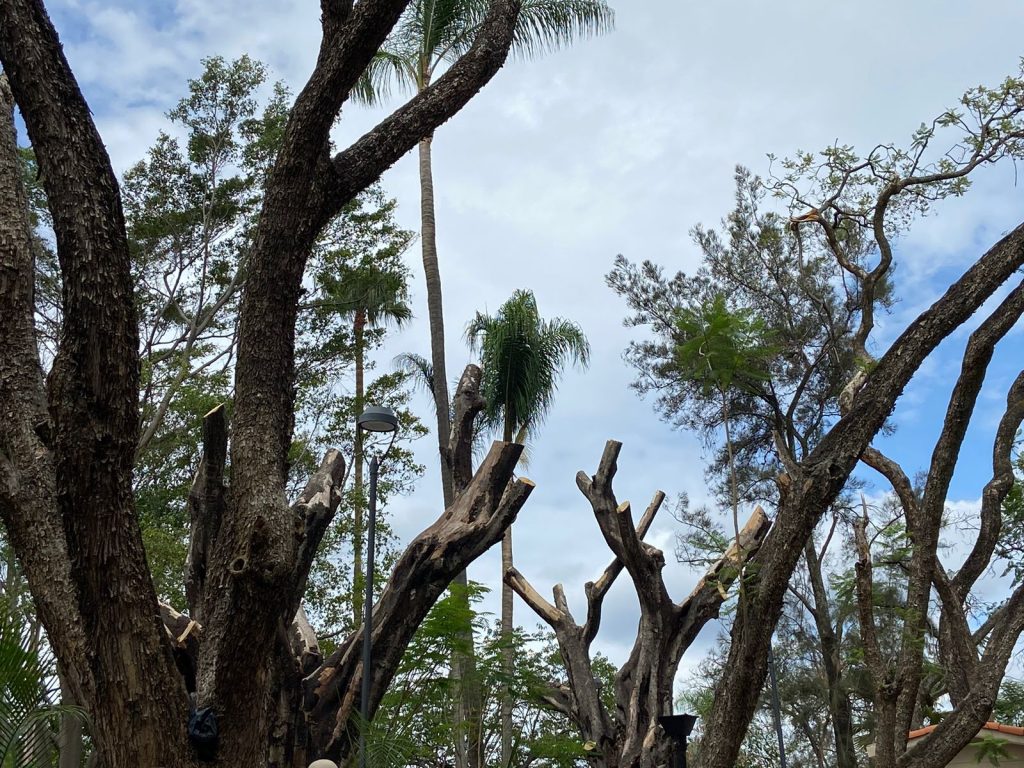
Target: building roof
(1009, 730)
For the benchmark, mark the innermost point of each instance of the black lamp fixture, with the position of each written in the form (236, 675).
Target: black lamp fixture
(678, 728)
(375, 419)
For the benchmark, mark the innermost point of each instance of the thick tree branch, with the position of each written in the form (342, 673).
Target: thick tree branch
(366, 159)
(596, 590)
(707, 597)
(28, 493)
(641, 561)
(465, 530)
(825, 472)
(995, 491)
(206, 508)
(314, 510)
(468, 403)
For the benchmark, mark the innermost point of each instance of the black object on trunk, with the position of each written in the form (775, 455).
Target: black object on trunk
(678, 728)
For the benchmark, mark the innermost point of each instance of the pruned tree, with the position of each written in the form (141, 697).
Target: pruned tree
(629, 734)
(848, 211)
(68, 444)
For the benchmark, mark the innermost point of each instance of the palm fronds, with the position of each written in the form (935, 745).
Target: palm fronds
(29, 692)
(418, 368)
(436, 32)
(547, 25)
(522, 357)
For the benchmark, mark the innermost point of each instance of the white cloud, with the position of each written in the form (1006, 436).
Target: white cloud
(620, 144)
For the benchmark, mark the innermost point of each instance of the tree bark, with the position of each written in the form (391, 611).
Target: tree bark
(66, 493)
(466, 530)
(93, 425)
(831, 661)
(630, 737)
(805, 497)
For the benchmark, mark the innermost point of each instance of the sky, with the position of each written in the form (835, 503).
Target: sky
(619, 145)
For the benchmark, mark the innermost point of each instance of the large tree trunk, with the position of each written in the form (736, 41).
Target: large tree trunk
(75, 509)
(66, 493)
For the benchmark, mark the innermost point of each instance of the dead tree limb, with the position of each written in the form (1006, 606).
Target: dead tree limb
(471, 525)
(630, 735)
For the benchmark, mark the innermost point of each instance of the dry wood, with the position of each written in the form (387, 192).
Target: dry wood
(630, 736)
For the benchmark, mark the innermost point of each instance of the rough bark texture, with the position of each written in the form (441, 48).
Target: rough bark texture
(66, 494)
(466, 530)
(818, 480)
(82, 479)
(898, 682)
(630, 737)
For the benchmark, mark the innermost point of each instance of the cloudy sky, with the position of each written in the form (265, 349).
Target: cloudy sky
(618, 145)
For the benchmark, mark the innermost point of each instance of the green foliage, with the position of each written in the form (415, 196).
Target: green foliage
(1009, 706)
(435, 33)
(30, 711)
(779, 328)
(522, 356)
(719, 347)
(990, 749)
(415, 717)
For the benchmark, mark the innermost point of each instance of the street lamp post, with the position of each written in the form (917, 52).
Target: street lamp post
(380, 420)
(678, 728)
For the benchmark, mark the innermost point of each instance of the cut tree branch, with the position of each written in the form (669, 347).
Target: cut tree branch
(475, 521)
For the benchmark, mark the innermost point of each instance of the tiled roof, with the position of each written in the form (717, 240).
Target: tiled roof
(1012, 730)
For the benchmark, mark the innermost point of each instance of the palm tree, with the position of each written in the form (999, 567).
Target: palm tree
(373, 297)
(431, 35)
(522, 357)
(28, 689)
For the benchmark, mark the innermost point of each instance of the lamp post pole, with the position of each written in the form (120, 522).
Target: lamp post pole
(382, 420)
(364, 699)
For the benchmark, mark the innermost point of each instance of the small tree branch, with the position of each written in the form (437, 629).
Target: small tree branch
(314, 510)
(596, 590)
(468, 403)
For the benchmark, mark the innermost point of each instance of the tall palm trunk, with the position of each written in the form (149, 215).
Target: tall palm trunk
(468, 704)
(506, 629)
(435, 311)
(358, 333)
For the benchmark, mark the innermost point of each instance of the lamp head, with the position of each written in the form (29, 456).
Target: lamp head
(323, 764)
(377, 419)
(677, 726)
